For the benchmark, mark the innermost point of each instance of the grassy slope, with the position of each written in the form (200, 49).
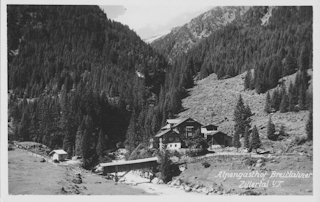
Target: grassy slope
(213, 101)
(27, 175)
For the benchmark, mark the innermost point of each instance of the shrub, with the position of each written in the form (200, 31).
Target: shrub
(206, 164)
(248, 161)
(197, 142)
(192, 152)
(176, 153)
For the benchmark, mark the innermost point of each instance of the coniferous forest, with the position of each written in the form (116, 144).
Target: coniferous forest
(82, 82)
(72, 75)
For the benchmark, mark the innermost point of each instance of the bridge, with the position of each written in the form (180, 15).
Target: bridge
(126, 166)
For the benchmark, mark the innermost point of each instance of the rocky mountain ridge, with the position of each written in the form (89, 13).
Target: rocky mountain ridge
(181, 39)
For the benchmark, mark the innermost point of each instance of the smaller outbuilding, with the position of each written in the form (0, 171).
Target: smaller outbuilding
(58, 154)
(219, 138)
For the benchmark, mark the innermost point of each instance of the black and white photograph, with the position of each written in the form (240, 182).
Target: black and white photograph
(179, 99)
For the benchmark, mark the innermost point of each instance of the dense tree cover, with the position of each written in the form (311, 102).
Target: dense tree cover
(81, 81)
(77, 78)
(277, 49)
(272, 51)
(296, 98)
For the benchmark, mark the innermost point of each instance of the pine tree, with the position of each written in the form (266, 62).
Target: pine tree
(309, 125)
(241, 117)
(267, 106)
(271, 130)
(284, 105)
(78, 142)
(255, 139)
(101, 144)
(246, 143)
(85, 148)
(275, 100)
(165, 165)
(236, 140)
(292, 98)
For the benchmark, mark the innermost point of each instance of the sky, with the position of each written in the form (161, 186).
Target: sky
(148, 20)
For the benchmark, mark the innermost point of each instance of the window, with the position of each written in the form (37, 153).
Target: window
(177, 139)
(189, 131)
(170, 139)
(175, 145)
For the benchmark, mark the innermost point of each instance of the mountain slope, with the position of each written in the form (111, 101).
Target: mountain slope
(213, 101)
(181, 39)
(75, 80)
(279, 47)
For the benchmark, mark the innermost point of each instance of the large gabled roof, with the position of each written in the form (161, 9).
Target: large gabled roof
(166, 127)
(164, 132)
(183, 120)
(176, 122)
